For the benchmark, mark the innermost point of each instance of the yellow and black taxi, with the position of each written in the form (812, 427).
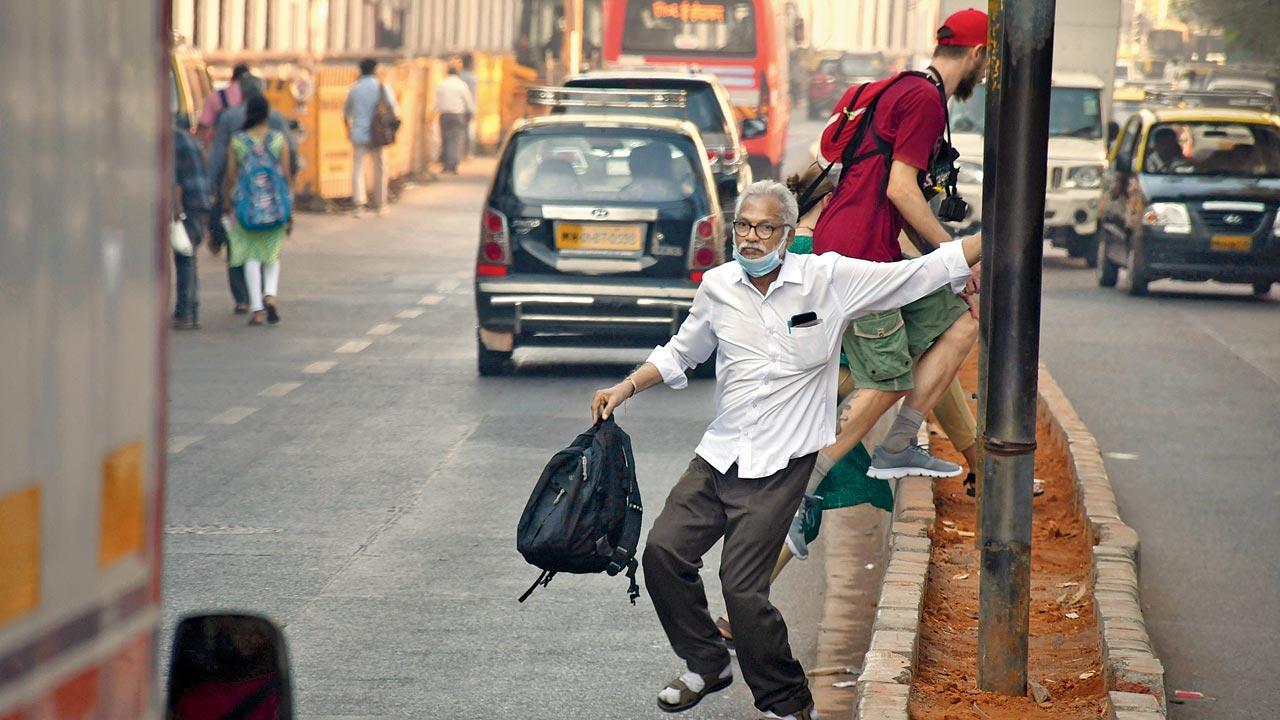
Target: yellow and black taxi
(1192, 193)
(596, 230)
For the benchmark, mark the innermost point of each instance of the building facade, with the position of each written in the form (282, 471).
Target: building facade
(341, 27)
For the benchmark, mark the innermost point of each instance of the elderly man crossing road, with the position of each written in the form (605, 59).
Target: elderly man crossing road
(774, 321)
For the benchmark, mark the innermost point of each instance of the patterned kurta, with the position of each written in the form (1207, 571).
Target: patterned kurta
(261, 245)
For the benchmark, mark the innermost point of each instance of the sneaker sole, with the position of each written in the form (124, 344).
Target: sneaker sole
(895, 473)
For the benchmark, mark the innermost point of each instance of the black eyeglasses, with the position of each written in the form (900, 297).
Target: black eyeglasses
(764, 230)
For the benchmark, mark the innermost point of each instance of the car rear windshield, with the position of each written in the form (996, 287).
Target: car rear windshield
(610, 166)
(702, 108)
(1073, 112)
(690, 27)
(1206, 148)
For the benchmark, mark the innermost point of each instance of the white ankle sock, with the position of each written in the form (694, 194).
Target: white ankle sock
(693, 681)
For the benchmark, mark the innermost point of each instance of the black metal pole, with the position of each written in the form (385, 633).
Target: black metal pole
(990, 150)
(1014, 345)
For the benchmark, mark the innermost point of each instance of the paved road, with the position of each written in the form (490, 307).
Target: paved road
(1182, 390)
(348, 474)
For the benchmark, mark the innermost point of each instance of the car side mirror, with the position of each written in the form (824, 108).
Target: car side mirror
(224, 666)
(754, 128)
(1113, 131)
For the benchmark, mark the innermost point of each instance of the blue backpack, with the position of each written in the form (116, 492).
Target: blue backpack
(262, 194)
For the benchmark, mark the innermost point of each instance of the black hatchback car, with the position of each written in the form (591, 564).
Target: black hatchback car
(596, 232)
(706, 105)
(1193, 194)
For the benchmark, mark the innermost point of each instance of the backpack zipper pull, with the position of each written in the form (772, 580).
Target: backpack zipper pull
(558, 496)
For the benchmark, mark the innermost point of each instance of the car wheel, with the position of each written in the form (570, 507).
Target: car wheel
(1261, 289)
(1138, 278)
(492, 363)
(1089, 245)
(1108, 272)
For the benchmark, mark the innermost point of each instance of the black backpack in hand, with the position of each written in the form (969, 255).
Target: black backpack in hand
(584, 513)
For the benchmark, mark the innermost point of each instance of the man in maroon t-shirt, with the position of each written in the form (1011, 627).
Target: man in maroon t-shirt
(878, 197)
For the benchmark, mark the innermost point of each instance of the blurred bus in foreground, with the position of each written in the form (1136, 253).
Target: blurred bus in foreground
(84, 268)
(742, 42)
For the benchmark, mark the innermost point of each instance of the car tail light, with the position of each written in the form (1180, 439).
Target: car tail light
(823, 79)
(706, 246)
(729, 156)
(495, 244)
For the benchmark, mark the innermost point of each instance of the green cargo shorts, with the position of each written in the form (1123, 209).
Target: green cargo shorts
(882, 346)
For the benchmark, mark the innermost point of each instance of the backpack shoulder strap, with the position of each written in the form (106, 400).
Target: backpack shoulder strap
(806, 199)
(542, 581)
(629, 540)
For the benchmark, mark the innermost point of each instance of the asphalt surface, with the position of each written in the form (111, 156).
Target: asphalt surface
(371, 508)
(1182, 390)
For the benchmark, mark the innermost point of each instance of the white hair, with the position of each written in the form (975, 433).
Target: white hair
(777, 191)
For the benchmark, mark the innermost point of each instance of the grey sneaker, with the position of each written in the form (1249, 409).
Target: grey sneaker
(911, 461)
(795, 534)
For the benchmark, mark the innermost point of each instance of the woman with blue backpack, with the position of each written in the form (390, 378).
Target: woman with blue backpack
(260, 205)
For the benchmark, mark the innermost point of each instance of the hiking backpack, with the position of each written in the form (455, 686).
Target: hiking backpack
(584, 513)
(262, 194)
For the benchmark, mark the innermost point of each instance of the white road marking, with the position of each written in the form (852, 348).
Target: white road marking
(354, 346)
(1121, 456)
(447, 286)
(178, 443)
(431, 299)
(409, 313)
(231, 416)
(464, 274)
(280, 390)
(319, 368)
(383, 329)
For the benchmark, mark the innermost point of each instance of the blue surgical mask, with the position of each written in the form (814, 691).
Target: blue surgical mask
(761, 266)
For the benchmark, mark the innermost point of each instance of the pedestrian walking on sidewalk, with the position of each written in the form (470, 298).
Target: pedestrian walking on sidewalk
(774, 322)
(192, 193)
(259, 175)
(230, 123)
(219, 101)
(888, 137)
(456, 105)
(363, 101)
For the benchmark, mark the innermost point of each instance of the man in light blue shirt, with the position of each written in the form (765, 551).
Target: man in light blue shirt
(357, 113)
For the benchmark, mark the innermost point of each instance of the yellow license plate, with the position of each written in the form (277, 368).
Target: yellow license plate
(1231, 243)
(600, 237)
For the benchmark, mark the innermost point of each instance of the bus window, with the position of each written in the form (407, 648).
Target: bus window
(690, 28)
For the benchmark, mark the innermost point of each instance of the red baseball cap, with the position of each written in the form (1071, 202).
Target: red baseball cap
(966, 28)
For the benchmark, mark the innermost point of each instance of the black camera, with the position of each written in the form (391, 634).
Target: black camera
(953, 209)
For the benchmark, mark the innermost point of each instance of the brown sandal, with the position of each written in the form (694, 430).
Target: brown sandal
(688, 698)
(258, 317)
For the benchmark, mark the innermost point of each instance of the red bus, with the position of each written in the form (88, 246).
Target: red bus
(742, 42)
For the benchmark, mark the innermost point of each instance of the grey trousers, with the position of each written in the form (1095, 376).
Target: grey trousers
(752, 515)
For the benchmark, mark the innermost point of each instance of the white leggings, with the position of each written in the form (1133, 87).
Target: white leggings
(262, 280)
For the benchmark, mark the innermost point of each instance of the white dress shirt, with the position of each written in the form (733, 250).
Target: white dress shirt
(776, 385)
(454, 97)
